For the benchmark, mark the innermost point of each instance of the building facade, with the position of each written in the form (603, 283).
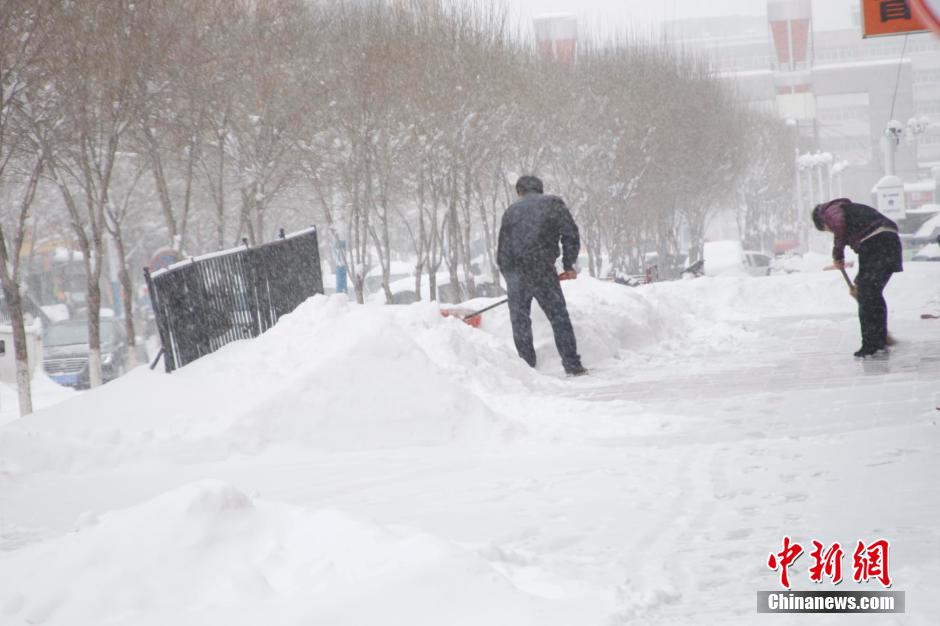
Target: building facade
(836, 89)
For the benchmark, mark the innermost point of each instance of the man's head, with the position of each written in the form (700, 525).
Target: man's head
(529, 184)
(820, 210)
(818, 216)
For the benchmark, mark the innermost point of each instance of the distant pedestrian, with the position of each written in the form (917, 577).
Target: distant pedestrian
(875, 239)
(529, 238)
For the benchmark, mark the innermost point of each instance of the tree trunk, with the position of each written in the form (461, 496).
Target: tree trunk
(94, 330)
(696, 238)
(17, 321)
(453, 253)
(220, 201)
(159, 179)
(259, 216)
(127, 299)
(419, 269)
(187, 196)
(359, 284)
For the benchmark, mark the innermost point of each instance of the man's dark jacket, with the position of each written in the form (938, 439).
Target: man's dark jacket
(851, 223)
(530, 232)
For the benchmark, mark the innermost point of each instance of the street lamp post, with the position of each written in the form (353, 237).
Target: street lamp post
(890, 143)
(819, 170)
(835, 177)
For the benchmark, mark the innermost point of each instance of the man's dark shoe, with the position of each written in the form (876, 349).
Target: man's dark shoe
(578, 371)
(864, 352)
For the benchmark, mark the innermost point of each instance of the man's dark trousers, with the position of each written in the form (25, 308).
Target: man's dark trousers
(879, 257)
(544, 286)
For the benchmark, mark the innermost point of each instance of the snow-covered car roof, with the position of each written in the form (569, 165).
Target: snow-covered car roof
(925, 209)
(929, 229)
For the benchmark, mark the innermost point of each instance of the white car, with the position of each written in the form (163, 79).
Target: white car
(929, 230)
(728, 258)
(930, 252)
(757, 263)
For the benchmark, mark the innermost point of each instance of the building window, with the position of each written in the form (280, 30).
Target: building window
(845, 126)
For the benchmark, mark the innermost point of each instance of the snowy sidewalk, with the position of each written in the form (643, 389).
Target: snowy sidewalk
(806, 442)
(652, 491)
(802, 370)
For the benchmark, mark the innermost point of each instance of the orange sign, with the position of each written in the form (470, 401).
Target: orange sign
(889, 17)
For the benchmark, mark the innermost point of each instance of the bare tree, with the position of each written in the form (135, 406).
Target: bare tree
(401, 125)
(91, 63)
(767, 187)
(24, 31)
(125, 202)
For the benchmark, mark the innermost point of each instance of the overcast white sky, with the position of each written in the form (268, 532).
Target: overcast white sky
(641, 14)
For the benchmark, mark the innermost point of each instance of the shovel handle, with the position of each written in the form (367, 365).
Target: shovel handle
(563, 276)
(848, 281)
(889, 340)
(489, 308)
(845, 275)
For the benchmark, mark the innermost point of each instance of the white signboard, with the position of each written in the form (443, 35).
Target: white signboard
(889, 195)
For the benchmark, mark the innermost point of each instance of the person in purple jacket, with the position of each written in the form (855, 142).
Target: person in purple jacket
(875, 239)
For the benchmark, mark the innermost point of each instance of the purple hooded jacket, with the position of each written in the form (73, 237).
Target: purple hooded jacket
(850, 223)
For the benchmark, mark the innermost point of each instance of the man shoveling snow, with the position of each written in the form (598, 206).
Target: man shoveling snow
(875, 239)
(528, 247)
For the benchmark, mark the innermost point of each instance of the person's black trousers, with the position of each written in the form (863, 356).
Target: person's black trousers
(544, 286)
(878, 258)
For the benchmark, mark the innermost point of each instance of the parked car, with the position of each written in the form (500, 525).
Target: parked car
(915, 218)
(728, 258)
(65, 351)
(928, 232)
(757, 263)
(930, 252)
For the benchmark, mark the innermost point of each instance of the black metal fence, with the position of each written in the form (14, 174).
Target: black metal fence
(207, 302)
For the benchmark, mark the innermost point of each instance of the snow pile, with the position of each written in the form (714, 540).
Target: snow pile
(741, 299)
(337, 376)
(331, 375)
(365, 377)
(679, 319)
(206, 553)
(609, 321)
(46, 393)
(724, 258)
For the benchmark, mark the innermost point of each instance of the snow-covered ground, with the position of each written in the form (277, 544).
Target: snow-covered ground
(46, 393)
(383, 465)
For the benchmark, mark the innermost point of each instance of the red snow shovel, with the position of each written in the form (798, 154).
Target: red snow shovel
(474, 318)
(471, 318)
(889, 340)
